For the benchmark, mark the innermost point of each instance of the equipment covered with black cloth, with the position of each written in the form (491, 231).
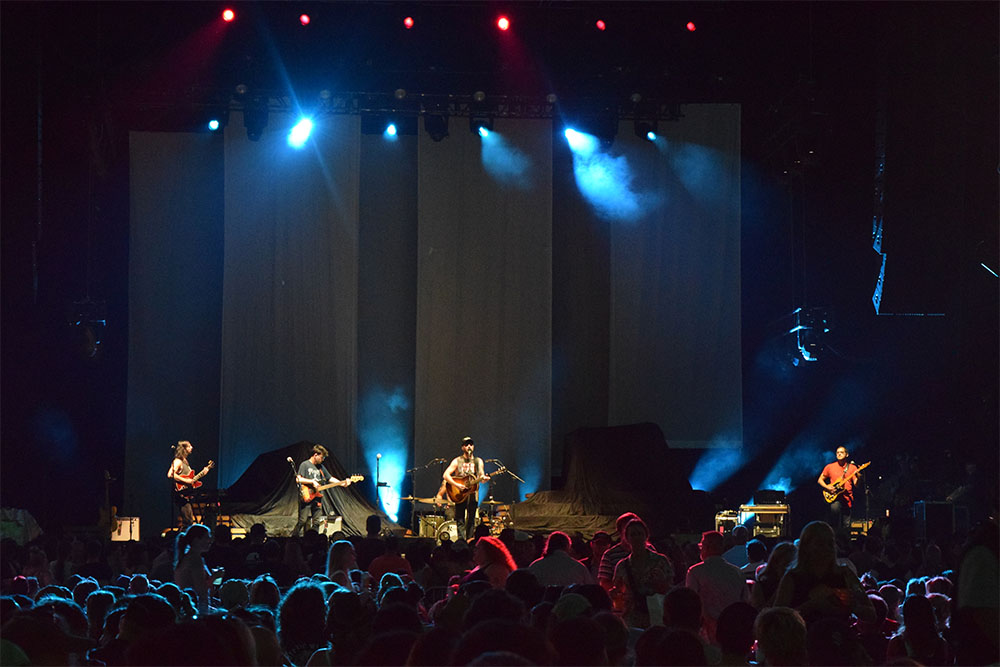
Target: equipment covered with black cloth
(267, 493)
(610, 471)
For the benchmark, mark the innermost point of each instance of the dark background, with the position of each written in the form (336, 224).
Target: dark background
(809, 76)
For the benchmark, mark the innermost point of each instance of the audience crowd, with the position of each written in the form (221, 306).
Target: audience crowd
(203, 598)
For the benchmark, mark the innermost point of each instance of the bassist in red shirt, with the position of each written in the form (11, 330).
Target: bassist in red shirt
(838, 479)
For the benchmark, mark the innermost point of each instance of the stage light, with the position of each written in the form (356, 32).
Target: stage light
(503, 23)
(304, 19)
(299, 134)
(390, 130)
(691, 26)
(645, 129)
(255, 117)
(481, 125)
(601, 25)
(213, 124)
(436, 126)
(580, 142)
(228, 15)
(408, 22)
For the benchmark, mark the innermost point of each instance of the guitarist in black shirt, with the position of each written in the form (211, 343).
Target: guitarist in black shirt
(461, 484)
(310, 475)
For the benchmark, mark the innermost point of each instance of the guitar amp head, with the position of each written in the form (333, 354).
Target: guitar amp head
(333, 523)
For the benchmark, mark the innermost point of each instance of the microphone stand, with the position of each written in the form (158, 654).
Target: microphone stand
(414, 528)
(864, 480)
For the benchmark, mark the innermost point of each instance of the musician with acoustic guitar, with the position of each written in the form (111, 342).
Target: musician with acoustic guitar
(838, 479)
(461, 484)
(310, 478)
(185, 480)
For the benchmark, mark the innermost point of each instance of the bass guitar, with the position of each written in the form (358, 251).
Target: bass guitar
(193, 478)
(310, 493)
(458, 494)
(830, 496)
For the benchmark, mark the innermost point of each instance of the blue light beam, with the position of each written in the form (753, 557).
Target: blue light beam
(299, 134)
(384, 428)
(504, 162)
(604, 180)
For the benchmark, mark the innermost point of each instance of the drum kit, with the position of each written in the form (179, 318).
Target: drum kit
(434, 523)
(434, 517)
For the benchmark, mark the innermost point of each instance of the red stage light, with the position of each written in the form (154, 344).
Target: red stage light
(601, 25)
(408, 22)
(503, 23)
(304, 19)
(228, 15)
(691, 26)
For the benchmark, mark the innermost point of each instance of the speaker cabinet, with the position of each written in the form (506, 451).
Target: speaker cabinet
(933, 520)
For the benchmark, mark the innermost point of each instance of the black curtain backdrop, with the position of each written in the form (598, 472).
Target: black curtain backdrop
(484, 298)
(392, 298)
(387, 308)
(290, 296)
(675, 357)
(175, 313)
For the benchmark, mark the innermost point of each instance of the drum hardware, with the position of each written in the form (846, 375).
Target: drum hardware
(429, 525)
(447, 531)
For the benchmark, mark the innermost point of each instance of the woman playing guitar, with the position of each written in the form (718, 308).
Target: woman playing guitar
(461, 483)
(185, 480)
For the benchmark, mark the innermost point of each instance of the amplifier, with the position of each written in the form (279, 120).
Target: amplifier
(726, 520)
(766, 520)
(933, 520)
(128, 529)
(332, 524)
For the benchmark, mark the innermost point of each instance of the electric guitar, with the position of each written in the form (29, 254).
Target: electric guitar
(458, 494)
(310, 493)
(830, 496)
(187, 488)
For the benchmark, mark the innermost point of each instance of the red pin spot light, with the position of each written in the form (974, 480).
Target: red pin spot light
(304, 19)
(503, 23)
(408, 22)
(691, 26)
(601, 25)
(228, 15)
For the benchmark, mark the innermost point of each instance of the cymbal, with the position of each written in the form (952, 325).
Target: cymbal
(433, 501)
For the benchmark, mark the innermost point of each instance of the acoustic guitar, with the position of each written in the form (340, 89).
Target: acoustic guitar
(310, 493)
(830, 496)
(187, 488)
(458, 494)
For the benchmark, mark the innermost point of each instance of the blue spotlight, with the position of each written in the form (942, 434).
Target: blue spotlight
(651, 135)
(300, 133)
(390, 130)
(579, 142)
(213, 124)
(483, 132)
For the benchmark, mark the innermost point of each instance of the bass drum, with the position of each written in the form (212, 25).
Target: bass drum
(429, 524)
(447, 531)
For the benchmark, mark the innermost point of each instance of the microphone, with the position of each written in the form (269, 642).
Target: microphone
(289, 459)
(378, 456)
